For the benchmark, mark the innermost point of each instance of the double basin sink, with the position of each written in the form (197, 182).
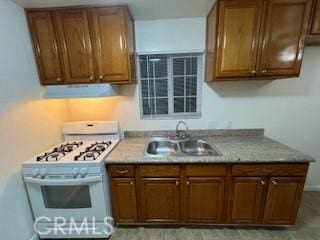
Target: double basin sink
(163, 147)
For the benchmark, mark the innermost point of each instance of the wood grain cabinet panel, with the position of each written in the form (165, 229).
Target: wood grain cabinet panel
(315, 20)
(124, 195)
(238, 35)
(284, 39)
(204, 199)
(160, 199)
(246, 200)
(283, 200)
(45, 47)
(111, 44)
(74, 35)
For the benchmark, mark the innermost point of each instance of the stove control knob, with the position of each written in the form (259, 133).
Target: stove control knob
(75, 172)
(83, 172)
(43, 172)
(35, 172)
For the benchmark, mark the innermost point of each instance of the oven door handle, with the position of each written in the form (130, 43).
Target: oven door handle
(55, 182)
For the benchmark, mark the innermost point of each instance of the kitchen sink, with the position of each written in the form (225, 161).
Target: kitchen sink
(162, 147)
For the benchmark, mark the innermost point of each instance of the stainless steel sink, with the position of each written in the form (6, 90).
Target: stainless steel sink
(162, 147)
(198, 148)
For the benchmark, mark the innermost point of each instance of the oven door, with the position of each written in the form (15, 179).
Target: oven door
(69, 198)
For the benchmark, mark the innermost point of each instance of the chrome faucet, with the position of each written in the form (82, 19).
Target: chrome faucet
(182, 133)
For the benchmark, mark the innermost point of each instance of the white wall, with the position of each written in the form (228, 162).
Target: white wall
(28, 125)
(288, 109)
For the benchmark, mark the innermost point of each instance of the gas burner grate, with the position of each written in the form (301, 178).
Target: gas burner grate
(93, 152)
(58, 152)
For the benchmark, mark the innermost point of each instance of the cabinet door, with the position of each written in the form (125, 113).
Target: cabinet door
(111, 44)
(160, 199)
(238, 36)
(283, 200)
(246, 200)
(124, 200)
(315, 21)
(76, 45)
(204, 199)
(45, 47)
(285, 33)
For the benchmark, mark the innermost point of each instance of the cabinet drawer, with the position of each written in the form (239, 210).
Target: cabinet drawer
(159, 170)
(121, 170)
(205, 170)
(269, 169)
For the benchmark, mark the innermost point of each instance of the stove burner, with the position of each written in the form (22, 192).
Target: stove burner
(93, 152)
(58, 152)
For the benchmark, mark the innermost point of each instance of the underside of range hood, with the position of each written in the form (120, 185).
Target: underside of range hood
(81, 91)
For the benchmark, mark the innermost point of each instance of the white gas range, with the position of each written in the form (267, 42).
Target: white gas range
(68, 186)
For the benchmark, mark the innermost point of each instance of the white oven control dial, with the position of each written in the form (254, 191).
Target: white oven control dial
(35, 172)
(76, 172)
(43, 172)
(83, 172)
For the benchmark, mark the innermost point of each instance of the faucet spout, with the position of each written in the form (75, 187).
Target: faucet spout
(182, 133)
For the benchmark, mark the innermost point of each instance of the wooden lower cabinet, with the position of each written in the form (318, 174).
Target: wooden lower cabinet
(283, 200)
(124, 199)
(204, 199)
(237, 194)
(246, 200)
(160, 199)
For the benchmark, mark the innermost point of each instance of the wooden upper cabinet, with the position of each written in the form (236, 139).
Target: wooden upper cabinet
(283, 200)
(256, 39)
(45, 47)
(75, 41)
(83, 45)
(112, 43)
(315, 22)
(284, 39)
(238, 35)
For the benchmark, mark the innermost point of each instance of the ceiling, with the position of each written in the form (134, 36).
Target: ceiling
(140, 9)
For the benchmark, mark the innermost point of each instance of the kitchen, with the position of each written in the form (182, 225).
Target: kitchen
(287, 109)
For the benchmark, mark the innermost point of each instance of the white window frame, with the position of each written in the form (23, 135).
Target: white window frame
(171, 114)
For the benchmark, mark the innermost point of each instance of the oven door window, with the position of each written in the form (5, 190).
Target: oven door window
(66, 197)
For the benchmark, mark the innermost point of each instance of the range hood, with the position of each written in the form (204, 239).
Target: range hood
(81, 91)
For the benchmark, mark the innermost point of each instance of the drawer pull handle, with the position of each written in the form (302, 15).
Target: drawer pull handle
(268, 170)
(177, 183)
(274, 183)
(188, 183)
(122, 171)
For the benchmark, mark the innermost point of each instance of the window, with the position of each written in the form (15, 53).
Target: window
(170, 85)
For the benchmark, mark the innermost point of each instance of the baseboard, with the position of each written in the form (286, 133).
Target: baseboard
(312, 188)
(35, 237)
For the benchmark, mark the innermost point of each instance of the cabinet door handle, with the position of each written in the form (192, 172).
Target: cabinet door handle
(188, 183)
(274, 182)
(263, 182)
(100, 77)
(122, 171)
(131, 182)
(253, 72)
(58, 79)
(177, 183)
(264, 71)
(91, 78)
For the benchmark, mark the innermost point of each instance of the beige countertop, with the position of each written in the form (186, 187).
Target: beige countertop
(250, 147)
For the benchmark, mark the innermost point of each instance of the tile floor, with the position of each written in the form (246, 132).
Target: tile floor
(306, 228)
